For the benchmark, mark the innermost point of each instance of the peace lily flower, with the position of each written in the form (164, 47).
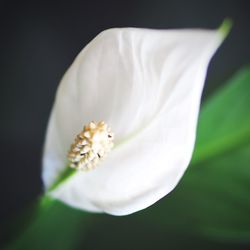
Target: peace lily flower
(146, 85)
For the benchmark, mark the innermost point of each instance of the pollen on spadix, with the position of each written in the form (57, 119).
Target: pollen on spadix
(91, 145)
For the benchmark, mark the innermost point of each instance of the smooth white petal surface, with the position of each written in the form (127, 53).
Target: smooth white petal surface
(146, 84)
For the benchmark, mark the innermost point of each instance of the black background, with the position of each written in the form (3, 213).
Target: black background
(39, 40)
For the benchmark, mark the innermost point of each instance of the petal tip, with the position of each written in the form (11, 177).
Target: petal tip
(225, 27)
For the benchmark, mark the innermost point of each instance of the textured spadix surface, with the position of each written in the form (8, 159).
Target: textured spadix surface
(146, 84)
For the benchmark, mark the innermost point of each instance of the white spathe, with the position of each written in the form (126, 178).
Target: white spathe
(145, 84)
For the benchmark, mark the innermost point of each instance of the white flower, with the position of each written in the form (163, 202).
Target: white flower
(146, 84)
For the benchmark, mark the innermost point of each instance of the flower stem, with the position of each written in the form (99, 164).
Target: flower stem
(64, 176)
(48, 225)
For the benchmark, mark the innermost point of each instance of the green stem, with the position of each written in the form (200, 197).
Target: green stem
(63, 177)
(50, 225)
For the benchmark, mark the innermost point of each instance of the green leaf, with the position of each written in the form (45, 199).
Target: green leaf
(224, 123)
(213, 197)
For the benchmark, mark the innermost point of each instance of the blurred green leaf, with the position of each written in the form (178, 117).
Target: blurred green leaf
(224, 123)
(213, 198)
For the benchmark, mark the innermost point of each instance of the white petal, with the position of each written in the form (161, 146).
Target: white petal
(145, 84)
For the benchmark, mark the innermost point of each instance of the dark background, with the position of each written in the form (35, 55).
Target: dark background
(39, 40)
